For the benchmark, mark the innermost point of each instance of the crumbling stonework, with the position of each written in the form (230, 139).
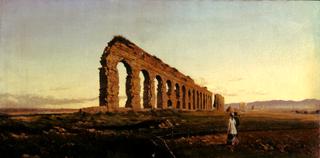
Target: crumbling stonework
(219, 102)
(174, 89)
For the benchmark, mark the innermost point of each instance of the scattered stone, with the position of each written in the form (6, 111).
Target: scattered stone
(281, 147)
(165, 124)
(29, 156)
(92, 130)
(59, 129)
(19, 136)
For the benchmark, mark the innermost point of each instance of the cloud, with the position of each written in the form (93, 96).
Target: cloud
(235, 79)
(230, 94)
(35, 101)
(59, 89)
(201, 81)
(224, 92)
(258, 93)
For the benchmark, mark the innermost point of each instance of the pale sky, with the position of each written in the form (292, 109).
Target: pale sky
(246, 51)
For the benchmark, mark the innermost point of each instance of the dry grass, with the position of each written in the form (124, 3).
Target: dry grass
(131, 134)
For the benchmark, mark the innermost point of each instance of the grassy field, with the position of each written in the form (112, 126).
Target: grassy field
(166, 133)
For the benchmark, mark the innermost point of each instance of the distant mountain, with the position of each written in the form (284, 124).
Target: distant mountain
(307, 103)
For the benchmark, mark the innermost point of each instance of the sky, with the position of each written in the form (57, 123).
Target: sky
(246, 51)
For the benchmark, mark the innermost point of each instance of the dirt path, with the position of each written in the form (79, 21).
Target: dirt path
(273, 143)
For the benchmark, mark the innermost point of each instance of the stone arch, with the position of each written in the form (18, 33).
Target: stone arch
(169, 103)
(201, 100)
(208, 102)
(136, 60)
(193, 99)
(198, 100)
(189, 100)
(183, 97)
(205, 101)
(177, 88)
(168, 87)
(211, 102)
(145, 90)
(159, 99)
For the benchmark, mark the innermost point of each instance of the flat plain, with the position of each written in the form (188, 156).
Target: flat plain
(157, 133)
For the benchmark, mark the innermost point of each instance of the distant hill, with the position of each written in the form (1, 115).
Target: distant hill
(28, 111)
(286, 104)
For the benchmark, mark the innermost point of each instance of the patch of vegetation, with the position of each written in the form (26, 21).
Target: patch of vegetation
(143, 134)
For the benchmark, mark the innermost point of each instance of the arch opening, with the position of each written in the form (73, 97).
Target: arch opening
(177, 90)
(200, 100)
(169, 104)
(145, 89)
(124, 72)
(183, 97)
(189, 99)
(193, 99)
(168, 88)
(158, 93)
(197, 100)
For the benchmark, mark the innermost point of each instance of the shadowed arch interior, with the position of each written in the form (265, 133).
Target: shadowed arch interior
(169, 104)
(169, 87)
(189, 99)
(198, 106)
(145, 89)
(193, 99)
(177, 89)
(183, 97)
(159, 100)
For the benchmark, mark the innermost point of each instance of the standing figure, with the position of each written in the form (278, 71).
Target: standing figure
(232, 131)
(237, 118)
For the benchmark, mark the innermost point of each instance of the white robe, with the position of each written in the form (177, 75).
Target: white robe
(232, 126)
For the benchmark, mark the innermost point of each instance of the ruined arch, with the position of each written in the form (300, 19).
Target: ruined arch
(189, 100)
(193, 99)
(205, 101)
(183, 97)
(177, 88)
(169, 104)
(157, 75)
(201, 100)
(198, 107)
(169, 87)
(159, 92)
(145, 89)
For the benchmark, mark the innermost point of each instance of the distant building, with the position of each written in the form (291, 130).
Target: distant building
(243, 106)
(218, 102)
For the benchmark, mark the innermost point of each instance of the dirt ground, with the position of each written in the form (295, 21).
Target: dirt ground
(279, 143)
(164, 133)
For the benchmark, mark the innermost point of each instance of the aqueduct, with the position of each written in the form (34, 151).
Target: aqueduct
(173, 89)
